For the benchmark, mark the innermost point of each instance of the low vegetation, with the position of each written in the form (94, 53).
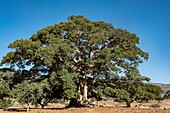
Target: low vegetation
(167, 95)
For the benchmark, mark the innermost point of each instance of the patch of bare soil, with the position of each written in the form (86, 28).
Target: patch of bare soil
(103, 107)
(91, 110)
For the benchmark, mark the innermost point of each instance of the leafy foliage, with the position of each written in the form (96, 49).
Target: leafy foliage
(5, 92)
(132, 85)
(72, 57)
(127, 88)
(29, 92)
(151, 92)
(43, 91)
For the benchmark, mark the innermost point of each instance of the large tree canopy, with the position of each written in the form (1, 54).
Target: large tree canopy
(86, 51)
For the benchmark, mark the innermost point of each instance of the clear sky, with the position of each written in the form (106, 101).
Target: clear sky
(149, 19)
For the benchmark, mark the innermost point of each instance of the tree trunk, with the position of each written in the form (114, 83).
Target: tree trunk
(45, 102)
(42, 106)
(82, 88)
(85, 92)
(74, 102)
(28, 107)
(85, 88)
(81, 97)
(128, 104)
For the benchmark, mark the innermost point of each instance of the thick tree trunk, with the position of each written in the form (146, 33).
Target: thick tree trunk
(81, 97)
(74, 103)
(85, 92)
(85, 88)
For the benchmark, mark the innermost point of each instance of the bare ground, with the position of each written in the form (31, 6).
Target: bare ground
(103, 107)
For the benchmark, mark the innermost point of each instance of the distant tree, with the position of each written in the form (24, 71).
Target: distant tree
(135, 88)
(167, 95)
(89, 51)
(130, 87)
(127, 88)
(151, 92)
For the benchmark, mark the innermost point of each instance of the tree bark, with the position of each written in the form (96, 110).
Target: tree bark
(79, 90)
(128, 104)
(85, 92)
(42, 106)
(85, 88)
(74, 102)
(28, 107)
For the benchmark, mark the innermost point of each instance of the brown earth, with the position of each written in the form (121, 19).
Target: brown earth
(103, 107)
(92, 110)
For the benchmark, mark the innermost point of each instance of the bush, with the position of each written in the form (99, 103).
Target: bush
(155, 106)
(5, 103)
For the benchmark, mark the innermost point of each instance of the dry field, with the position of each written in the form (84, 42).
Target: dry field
(103, 107)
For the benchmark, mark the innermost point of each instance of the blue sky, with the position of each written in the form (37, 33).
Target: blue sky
(149, 19)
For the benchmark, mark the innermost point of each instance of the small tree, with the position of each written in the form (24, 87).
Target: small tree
(122, 89)
(43, 91)
(27, 92)
(5, 95)
(151, 92)
(5, 91)
(167, 95)
(129, 88)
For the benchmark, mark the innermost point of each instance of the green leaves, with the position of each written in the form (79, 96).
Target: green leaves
(5, 103)
(73, 55)
(69, 85)
(88, 42)
(5, 92)
(151, 92)
(122, 95)
(27, 92)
